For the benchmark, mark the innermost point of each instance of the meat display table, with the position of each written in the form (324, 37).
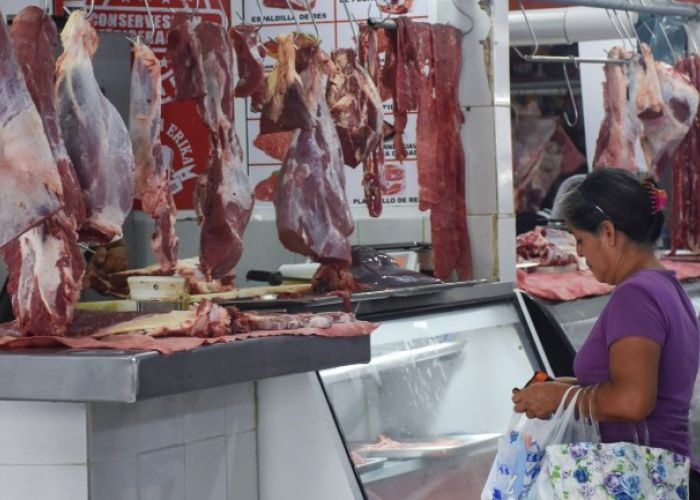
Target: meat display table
(100, 425)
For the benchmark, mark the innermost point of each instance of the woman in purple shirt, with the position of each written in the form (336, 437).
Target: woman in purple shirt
(643, 351)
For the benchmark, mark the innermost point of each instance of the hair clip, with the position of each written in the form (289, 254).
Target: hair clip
(659, 197)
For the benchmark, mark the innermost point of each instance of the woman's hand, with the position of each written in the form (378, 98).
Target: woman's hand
(539, 400)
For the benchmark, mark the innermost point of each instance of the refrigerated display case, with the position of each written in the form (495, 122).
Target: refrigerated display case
(421, 420)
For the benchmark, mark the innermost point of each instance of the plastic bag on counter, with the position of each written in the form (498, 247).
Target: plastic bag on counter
(378, 270)
(521, 450)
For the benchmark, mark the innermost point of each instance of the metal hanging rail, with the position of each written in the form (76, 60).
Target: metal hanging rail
(658, 7)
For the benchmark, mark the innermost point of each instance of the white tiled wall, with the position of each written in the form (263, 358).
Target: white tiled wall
(195, 446)
(45, 482)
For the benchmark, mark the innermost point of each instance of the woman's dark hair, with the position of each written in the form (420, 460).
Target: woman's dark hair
(618, 196)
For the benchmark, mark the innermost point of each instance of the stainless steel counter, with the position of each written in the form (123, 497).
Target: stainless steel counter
(118, 376)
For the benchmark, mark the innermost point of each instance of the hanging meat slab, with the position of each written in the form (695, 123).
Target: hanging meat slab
(152, 174)
(185, 59)
(685, 209)
(31, 189)
(45, 264)
(356, 109)
(313, 216)
(662, 134)
(644, 89)
(294, 4)
(620, 128)
(250, 53)
(96, 137)
(228, 195)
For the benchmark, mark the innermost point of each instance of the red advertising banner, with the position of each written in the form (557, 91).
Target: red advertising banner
(184, 137)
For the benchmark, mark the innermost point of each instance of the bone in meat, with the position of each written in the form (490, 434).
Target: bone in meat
(662, 134)
(250, 53)
(31, 189)
(152, 174)
(228, 195)
(96, 137)
(313, 217)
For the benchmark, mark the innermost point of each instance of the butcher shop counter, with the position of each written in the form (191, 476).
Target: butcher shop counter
(422, 418)
(100, 425)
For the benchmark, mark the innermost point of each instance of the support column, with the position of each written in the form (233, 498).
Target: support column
(486, 136)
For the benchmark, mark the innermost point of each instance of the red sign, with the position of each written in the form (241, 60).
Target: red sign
(185, 138)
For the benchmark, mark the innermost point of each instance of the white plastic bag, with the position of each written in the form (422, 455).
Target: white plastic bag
(520, 451)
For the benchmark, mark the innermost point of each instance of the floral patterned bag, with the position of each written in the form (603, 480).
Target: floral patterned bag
(620, 471)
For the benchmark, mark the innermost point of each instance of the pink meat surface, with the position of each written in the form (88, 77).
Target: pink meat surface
(96, 137)
(152, 174)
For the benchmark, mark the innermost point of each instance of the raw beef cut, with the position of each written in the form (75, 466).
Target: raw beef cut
(185, 59)
(96, 137)
(685, 209)
(31, 189)
(536, 246)
(228, 195)
(644, 90)
(250, 53)
(620, 127)
(45, 264)
(152, 174)
(243, 322)
(313, 217)
(35, 38)
(356, 109)
(662, 134)
(296, 4)
(530, 137)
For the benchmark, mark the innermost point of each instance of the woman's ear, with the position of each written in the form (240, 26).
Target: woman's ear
(609, 233)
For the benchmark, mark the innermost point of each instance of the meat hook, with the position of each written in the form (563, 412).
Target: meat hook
(471, 20)
(46, 5)
(532, 32)
(691, 37)
(92, 9)
(623, 39)
(153, 24)
(352, 26)
(573, 100)
(313, 20)
(260, 11)
(623, 27)
(296, 21)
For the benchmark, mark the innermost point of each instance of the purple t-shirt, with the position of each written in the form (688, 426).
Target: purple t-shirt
(649, 303)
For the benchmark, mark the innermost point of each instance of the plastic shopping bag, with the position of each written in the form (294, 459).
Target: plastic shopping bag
(520, 451)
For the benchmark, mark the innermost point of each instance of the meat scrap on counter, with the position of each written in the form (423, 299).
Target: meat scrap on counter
(45, 265)
(205, 323)
(548, 247)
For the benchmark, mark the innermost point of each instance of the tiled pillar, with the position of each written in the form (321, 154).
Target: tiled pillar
(486, 136)
(200, 445)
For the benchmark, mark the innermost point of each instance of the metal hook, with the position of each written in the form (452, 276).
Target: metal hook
(92, 9)
(352, 26)
(296, 21)
(313, 20)
(153, 24)
(570, 123)
(224, 16)
(382, 18)
(46, 5)
(260, 11)
(691, 37)
(66, 10)
(471, 20)
(623, 39)
(634, 29)
(532, 33)
(623, 27)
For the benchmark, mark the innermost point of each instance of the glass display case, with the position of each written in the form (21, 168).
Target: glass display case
(421, 420)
